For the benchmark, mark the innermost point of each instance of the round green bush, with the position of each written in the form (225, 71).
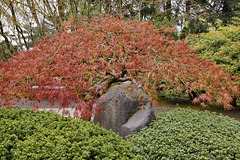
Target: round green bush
(189, 134)
(25, 134)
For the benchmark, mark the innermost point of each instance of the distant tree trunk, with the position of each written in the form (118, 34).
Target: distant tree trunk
(188, 6)
(33, 11)
(139, 10)
(153, 9)
(100, 6)
(15, 23)
(47, 5)
(130, 8)
(60, 5)
(5, 38)
(73, 7)
(31, 32)
(225, 8)
(168, 9)
(226, 11)
(49, 8)
(120, 8)
(4, 53)
(32, 7)
(88, 11)
(108, 6)
(52, 14)
(84, 7)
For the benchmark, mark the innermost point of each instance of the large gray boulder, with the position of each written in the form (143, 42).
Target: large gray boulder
(121, 111)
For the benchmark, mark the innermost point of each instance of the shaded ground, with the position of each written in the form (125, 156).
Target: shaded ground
(164, 105)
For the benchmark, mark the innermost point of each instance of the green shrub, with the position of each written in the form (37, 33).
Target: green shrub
(189, 134)
(221, 46)
(25, 134)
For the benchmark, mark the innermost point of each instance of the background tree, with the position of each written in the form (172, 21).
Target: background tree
(6, 48)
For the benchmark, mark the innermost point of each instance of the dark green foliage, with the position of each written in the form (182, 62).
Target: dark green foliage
(25, 134)
(189, 134)
(194, 26)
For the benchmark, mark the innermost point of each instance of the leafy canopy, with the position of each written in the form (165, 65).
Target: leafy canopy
(80, 62)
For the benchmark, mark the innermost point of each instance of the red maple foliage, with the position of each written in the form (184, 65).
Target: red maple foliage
(81, 61)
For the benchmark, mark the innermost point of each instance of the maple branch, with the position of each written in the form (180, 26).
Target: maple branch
(192, 66)
(54, 54)
(165, 59)
(120, 32)
(109, 79)
(106, 83)
(192, 92)
(170, 60)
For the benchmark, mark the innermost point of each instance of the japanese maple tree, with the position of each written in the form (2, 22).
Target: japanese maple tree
(81, 61)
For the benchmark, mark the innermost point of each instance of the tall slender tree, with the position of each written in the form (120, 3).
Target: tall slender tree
(168, 9)
(7, 42)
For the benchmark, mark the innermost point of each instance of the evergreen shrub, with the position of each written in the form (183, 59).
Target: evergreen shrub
(221, 46)
(189, 134)
(25, 134)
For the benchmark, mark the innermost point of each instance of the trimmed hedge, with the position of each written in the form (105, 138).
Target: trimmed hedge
(25, 134)
(189, 134)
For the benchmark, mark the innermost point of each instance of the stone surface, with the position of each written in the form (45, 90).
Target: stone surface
(118, 104)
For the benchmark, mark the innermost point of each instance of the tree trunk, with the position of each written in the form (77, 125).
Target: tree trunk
(53, 14)
(188, 6)
(107, 6)
(153, 9)
(84, 7)
(4, 53)
(5, 38)
(226, 11)
(33, 11)
(130, 8)
(18, 28)
(120, 8)
(73, 7)
(60, 5)
(139, 11)
(234, 102)
(168, 9)
(88, 11)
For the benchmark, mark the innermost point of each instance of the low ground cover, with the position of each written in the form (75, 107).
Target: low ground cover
(25, 134)
(189, 134)
(177, 134)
